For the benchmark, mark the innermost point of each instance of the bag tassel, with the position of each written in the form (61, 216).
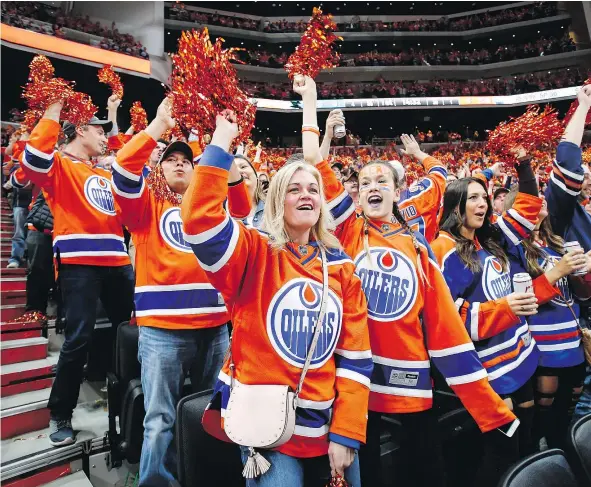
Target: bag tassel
(255, 465)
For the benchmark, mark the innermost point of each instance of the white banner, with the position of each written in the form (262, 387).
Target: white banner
(546, 96)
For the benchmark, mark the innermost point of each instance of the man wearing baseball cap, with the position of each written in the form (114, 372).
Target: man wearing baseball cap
(182, 317)
(88, 245)
(498, 202)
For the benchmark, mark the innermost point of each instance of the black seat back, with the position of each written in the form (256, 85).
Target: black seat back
(545, 469)
(579, 449)
(202, 459)
(461, 445)
(127, 365)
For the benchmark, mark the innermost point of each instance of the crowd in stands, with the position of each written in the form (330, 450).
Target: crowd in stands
(45, 19)
(179, 12)
(488, 19)
(435, 56)
(514, 85)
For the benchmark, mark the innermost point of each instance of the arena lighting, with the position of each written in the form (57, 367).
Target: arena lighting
(547, 96)
(49, 44)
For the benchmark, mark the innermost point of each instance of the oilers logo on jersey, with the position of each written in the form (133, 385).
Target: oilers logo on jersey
(496, 283)
(389, 283)
(171, 229)
(97, 190)
(291, 322)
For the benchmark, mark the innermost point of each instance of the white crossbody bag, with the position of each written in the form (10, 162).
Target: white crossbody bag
(263, 416)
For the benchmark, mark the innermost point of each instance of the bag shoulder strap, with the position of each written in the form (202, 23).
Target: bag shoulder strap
(319, 321)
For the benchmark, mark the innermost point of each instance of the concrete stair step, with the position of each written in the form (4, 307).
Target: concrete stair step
(13, 283)
(11, 311)
(34, 369)
(18, 272)
(23, 413)
(8, 326)
(16, 351)
(13, 297)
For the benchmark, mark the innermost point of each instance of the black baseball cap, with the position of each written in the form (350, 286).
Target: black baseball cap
(177, 146)
(338, 165)
(69, 128)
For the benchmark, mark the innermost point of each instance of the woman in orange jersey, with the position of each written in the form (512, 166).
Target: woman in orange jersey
(399, 276)
(273, 282)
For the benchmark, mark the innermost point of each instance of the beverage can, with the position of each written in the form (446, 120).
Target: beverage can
(570, 247)
(522, 283)
(339, 131)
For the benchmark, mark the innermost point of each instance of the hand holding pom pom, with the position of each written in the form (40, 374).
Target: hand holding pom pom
(304, 86)
(113, 102)
(164, 113)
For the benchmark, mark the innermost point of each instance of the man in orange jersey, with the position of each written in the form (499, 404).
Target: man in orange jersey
(87, 243)
(182, 317)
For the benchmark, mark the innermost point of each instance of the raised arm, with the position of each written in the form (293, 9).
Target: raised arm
(426, 195)
(221, 244)
(306, 88)
(112, 105)
(129, 185)
(40, 162)
(566, 179)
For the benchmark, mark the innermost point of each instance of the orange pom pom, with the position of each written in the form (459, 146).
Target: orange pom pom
(42, 90)
(314, 52)
(40, 69)
(139, 118)
(204, 83)
(531, 130)
(112, 79)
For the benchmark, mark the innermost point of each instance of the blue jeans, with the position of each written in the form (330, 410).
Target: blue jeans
(289, 471)
(20, 233)
(82, 286)
(167, 357)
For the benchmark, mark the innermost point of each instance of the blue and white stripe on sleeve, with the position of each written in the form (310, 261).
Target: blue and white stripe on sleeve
(342, 207)
(126, 184)
(36, 160)
(354, 365)
(459, 364)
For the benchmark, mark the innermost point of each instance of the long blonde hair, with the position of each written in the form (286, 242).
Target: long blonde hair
(273, 216)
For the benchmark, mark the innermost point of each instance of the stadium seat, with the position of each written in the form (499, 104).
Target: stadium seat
(202, 459)
(126, 397)
(461, 446)
(579, 449)
(545, 469)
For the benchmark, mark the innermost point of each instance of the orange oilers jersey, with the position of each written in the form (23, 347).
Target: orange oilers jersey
(275, 297)
(172, 291)
(412, 319)
(87, 229)
(422, 201)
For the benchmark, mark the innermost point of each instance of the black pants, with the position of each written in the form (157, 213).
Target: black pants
(554, 410)
(81, 286)
(40, 275)
(421, 463)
